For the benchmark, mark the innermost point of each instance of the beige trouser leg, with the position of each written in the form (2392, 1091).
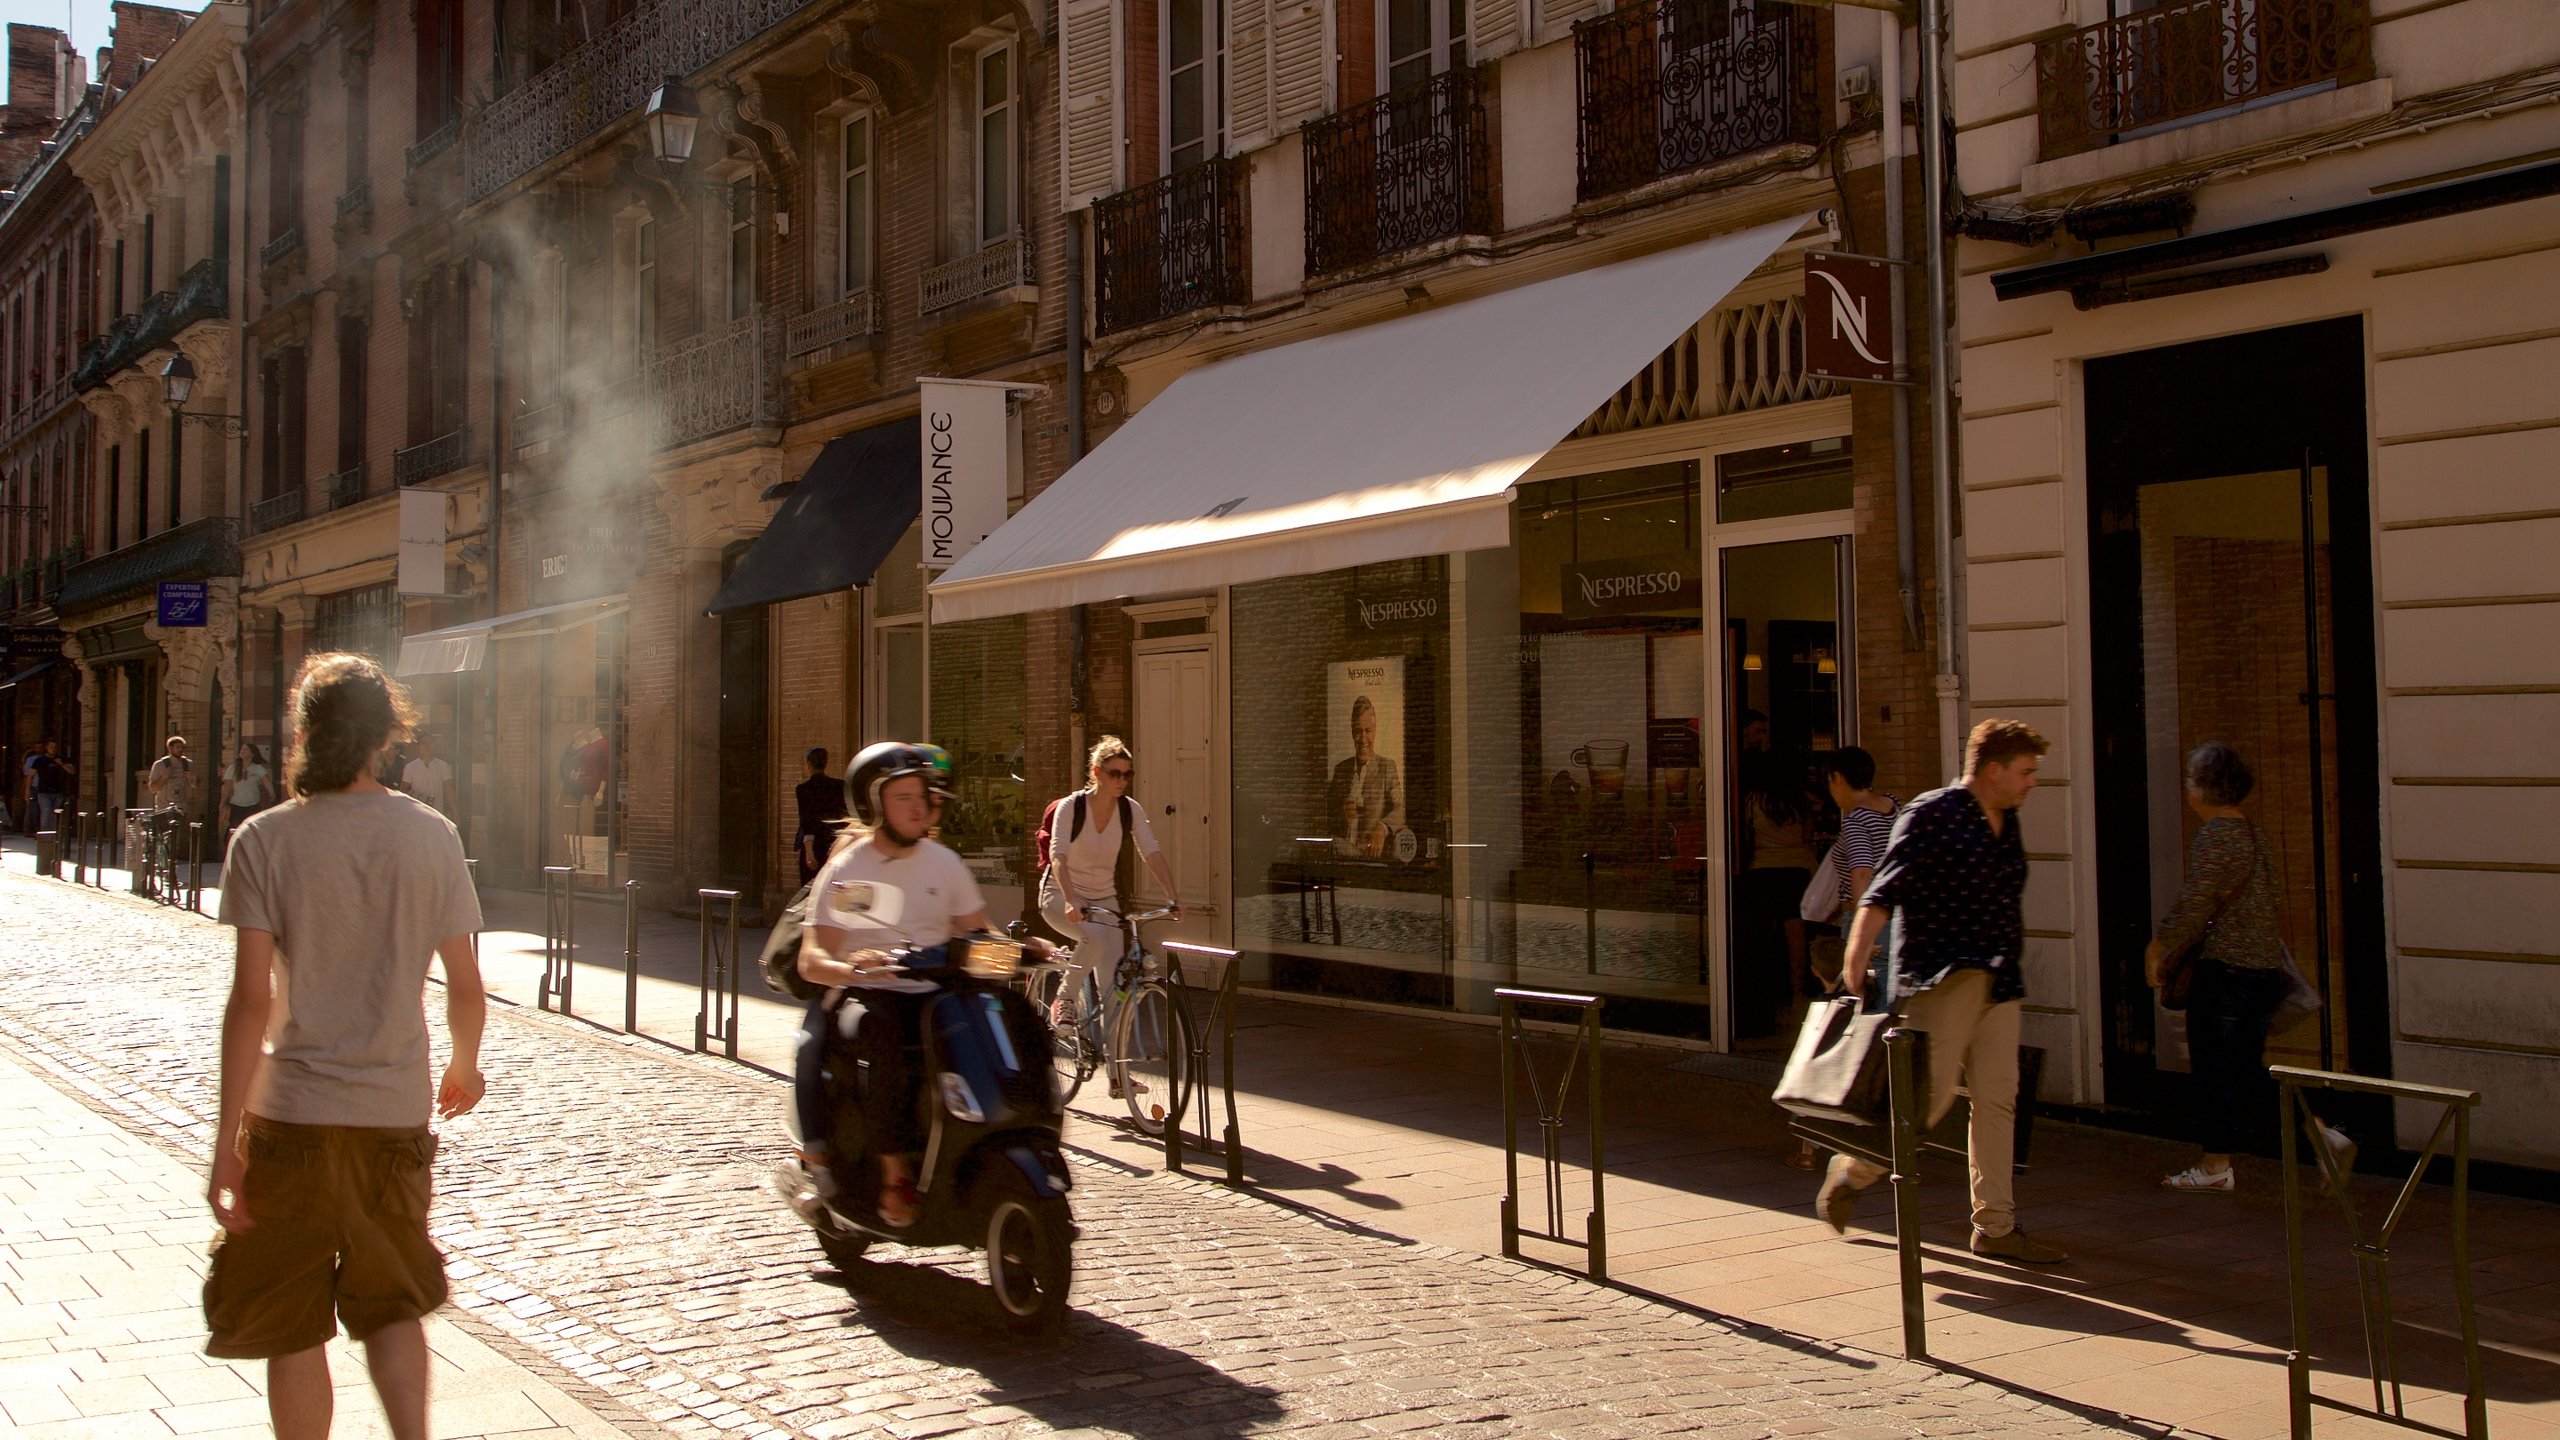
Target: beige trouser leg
(1972, 1040)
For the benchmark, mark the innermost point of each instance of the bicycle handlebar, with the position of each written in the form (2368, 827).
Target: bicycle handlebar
(1143, 917)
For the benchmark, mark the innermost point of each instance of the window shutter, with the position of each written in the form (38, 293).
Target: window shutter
(1248, 73)
(1301, 61)
(1092, 108)
(1556, 17)
(1496, 27)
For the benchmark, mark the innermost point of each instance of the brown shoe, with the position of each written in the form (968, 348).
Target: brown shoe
(2017, 1246)
(1837, 1201)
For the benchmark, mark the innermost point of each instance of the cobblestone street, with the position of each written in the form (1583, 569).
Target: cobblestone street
(607, 1224)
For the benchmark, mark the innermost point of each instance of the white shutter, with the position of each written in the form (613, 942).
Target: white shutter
(1301, 61)
(1556, 17)
(1092, 104)
(1496, 27)
(1248, 73)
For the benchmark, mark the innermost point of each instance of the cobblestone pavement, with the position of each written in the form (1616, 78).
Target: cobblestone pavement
(604, 1210)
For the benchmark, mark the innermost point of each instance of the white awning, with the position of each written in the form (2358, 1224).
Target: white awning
(459, 648)
(1383, 443)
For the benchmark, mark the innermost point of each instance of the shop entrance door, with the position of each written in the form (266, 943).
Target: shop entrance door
(746, 836)
(1179, 779)
(2228, 516)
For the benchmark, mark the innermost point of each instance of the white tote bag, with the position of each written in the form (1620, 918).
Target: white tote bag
(1822, 894)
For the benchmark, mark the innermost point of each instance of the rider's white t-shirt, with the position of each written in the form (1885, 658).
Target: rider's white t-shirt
(934, 887)
(1086, 862)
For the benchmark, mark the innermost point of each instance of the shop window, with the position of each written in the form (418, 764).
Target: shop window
(977, 688)
(1804, 477)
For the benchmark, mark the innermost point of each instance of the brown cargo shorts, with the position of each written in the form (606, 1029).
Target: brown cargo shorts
(339, 1237)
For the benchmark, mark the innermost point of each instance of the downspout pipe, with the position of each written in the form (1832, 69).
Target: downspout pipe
(1906, 527)
(1079, 689)
(1942, 448)
(494, 525)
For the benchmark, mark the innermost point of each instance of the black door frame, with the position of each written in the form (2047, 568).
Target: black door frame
(745, 670)
(2249, 403)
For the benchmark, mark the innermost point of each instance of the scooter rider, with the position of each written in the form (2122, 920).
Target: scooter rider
(897, 791)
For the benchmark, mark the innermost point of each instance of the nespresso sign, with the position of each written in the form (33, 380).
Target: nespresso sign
(1631, 585)
(1375, 612)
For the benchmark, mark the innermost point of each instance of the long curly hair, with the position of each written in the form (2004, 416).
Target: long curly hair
(345, 710)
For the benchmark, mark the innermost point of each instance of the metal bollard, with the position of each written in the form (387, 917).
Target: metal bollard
(1904, 1096)
(49, 854)
(630, 957)
(719, 974)
(79, 845)
(559, 937)
(137, 852)
(195, 865)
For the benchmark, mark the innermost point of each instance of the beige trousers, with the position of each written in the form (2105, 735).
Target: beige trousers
(1971, 1038)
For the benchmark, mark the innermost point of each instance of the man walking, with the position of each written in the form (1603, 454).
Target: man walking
(821, 798)
(427, 777)
(1952, 882)
(48, 782)
(172, 782)
(322, 1160)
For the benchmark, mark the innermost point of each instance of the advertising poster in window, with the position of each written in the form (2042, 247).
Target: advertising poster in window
(1364, 735)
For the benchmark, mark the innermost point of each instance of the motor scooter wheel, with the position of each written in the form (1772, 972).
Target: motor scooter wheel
(844, 1248)
(1030, 1239)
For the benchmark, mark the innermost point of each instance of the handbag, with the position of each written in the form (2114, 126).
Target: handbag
(1838, 1070)
(781, 958)
(2298, 1003)
(1822, 894)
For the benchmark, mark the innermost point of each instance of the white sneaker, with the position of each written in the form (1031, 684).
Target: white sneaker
(2198, 1179)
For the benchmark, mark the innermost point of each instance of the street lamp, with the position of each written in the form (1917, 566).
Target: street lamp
(674, 115)
(178, 382)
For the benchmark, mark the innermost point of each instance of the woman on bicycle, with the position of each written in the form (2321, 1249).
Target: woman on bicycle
(897, 791)
(1080, 843)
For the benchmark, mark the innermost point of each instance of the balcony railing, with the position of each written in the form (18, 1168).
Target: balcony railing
(1406, 169)
(442, 455)
(988, 271)
(1172, 246)
(435, 142)
(276, 511)
(855, 317)
(346, 487)
(2179, 61)
(1671, 86)
(723, 379)
(281, 248)
(607, 79)
(355, 200)
(203, 293)
(40, 404)
(1748, 357)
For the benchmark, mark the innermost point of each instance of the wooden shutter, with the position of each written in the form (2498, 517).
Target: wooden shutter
(1556, 17)
(1092, 105)
(1248, 73)
(1301, 61)
(1496, 27)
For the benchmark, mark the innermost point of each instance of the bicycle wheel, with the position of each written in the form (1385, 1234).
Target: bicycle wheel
(1151, 1058)
(1076, 1045)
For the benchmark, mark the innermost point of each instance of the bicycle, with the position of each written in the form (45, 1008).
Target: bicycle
(1141, 1037)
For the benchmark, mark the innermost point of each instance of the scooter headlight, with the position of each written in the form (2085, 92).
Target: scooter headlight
(960, 1100)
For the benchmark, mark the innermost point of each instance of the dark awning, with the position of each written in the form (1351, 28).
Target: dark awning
(31, 672)
(834, 529)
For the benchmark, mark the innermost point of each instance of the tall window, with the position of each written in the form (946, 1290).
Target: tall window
(142, 483)
(995, 143)
(1424, 37)
(742, 249)
(644, 287)
(439, 64)
(284, 174)
(150, 229)
(854, 188)
(271, 427)
(1194, 65)
(113, 522)
(351, 391)
(438, 327)
(359, 123)
(115, 287)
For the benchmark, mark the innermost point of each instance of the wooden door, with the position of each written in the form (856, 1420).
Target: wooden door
(1177, 724)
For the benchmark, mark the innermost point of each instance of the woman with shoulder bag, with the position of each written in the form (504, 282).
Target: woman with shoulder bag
(2221, 958)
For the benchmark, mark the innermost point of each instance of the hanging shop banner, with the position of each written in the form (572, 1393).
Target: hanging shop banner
(1632, 585)
(966, 462)
(1848, 317)
(422, 542)
(182, 604)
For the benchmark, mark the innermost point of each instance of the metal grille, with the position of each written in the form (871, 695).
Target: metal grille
(1403, 170)
(346, 487)
(440, 456)
(281, 246)
(851, 318)
(276, 512)
(1749, 357)
(366, 622)
(435, 142)
(2188, 59)
(1171, 246)
(1000, 266)
(1677, 85)
(720, 380)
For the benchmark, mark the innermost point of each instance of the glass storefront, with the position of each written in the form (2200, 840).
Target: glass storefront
(583, 741)
(978, 716)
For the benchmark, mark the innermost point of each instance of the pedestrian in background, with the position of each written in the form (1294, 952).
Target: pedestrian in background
(322, 1156)
(821, 799)
(48, 783)
(172, 781)
(1954, 882)
(2220, 955)
(427, 777)
(247, 788)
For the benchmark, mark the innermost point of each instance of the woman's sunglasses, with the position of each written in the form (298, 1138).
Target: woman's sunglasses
(1122, 773)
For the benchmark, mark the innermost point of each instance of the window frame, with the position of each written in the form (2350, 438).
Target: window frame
(1213, 66)
(1447, 51)
(854, 239)
(644, 288)
(981, 110)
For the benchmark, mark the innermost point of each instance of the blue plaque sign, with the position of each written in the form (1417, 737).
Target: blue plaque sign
(182, 604)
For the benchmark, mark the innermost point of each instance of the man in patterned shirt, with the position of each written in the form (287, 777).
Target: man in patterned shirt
(1952, 883)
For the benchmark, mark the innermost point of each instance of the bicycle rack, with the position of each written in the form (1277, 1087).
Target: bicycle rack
(559, 937)
(1222, 1015)
(630, 957)
(720, 970)
(1550, 1107)
(2373, 1257)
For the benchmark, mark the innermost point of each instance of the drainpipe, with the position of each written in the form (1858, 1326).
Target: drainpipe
(492, 525)
(1942, 440)
(1906, 529)
(1078, 690)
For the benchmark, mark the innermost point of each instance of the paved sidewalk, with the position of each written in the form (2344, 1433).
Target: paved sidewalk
(104, 1340)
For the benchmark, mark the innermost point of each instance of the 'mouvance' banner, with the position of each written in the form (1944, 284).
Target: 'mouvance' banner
(966, 465)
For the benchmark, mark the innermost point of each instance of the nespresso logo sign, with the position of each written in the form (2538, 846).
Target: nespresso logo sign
(1634, 585)
(1394, 609)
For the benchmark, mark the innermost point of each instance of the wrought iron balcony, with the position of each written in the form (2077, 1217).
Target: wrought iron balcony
(607, 80)
(1406, 169)
(346, 487)
(435, 142)
(280, 249)
(276, 511)
(1671, 86)
(442, 455)
(2179, 61)
(855, 317)
(197, 550)
(1172, 246)
(203, 293)
(40, 403)
(355, 197)
(541, 422)
(726, 378)
(990, 270)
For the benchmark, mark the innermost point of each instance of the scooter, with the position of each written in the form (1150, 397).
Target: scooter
(992, 1177)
